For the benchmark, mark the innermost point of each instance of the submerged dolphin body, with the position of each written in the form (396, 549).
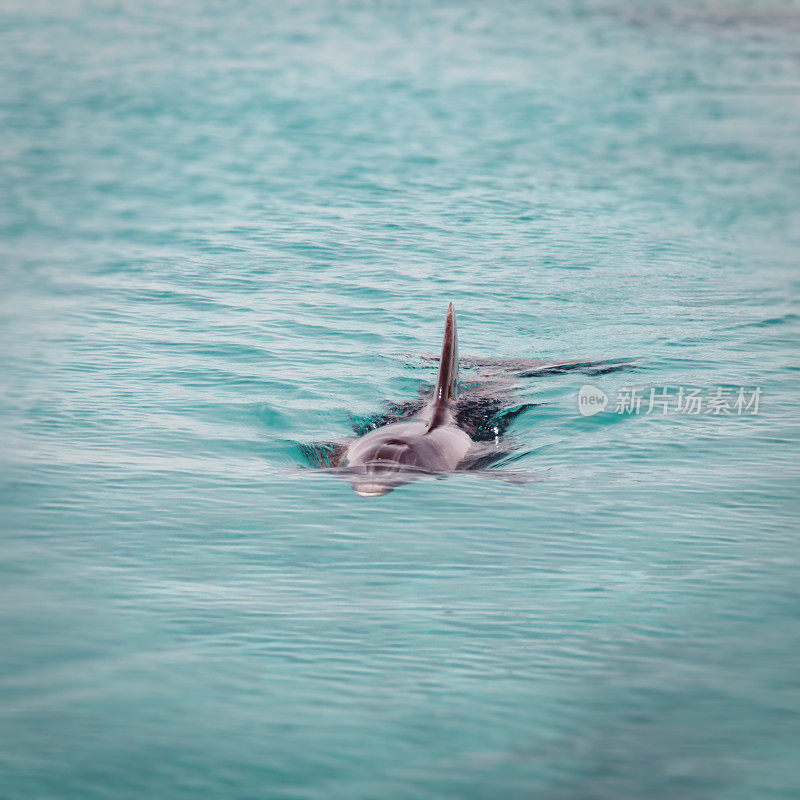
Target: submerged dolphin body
(431, 442)
(451, 431)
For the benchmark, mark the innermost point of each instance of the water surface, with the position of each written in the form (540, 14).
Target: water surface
(228, 230)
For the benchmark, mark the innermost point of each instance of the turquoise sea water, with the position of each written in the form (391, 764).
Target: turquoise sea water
(227, 229)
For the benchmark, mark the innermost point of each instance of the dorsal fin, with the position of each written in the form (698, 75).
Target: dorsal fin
(447, 382)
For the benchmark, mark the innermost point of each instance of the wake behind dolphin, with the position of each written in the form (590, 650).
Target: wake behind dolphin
(452, 431)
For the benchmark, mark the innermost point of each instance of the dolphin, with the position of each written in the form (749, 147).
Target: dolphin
(431, 442)
(450, 431)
